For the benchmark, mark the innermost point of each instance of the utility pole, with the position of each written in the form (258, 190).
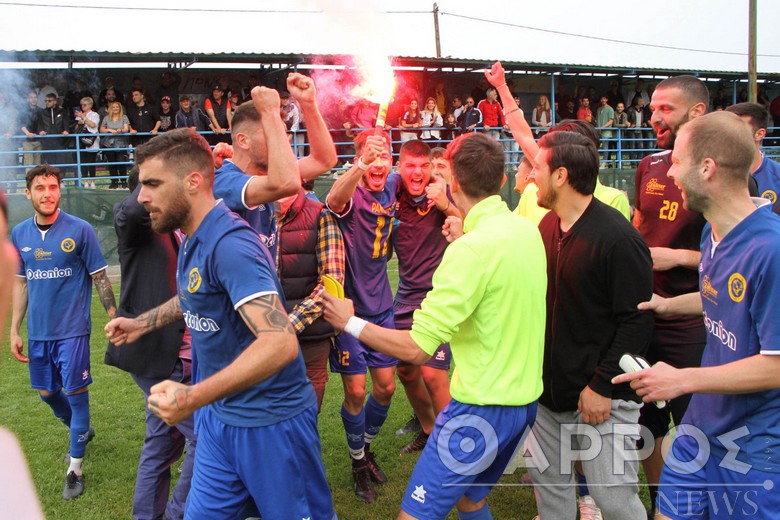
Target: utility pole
(436, 29)
(752, 64)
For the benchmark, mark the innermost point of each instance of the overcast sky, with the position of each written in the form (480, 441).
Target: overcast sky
(694, 35)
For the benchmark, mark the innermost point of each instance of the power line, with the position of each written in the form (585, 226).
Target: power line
(197, 10)
(598, 38)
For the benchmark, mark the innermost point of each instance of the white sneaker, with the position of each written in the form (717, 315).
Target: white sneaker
(588, 509)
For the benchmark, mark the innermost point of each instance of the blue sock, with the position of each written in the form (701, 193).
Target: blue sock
(79, 424)
(354, 426)
(480, 514)
(582, 484)
(59, 405)
(375, 418)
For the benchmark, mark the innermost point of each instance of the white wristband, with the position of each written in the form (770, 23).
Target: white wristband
(360, 164)
(355, 326)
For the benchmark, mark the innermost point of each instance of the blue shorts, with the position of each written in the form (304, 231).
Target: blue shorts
(62, 363)
(403, 316)
(350, 356)
(704, 489)
(466, 454)
(279, 466)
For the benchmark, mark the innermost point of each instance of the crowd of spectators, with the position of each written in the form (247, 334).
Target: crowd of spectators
(40, 122)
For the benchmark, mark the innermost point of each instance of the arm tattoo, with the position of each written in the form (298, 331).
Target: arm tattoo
(161, 315)
(106, 293)
(265, 314)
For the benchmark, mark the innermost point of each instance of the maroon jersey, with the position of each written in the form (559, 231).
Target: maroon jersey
(665, 223)
(419, 246)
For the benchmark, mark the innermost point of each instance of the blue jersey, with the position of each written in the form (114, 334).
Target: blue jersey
(230, 184)
(768, 178)
(58, 264)
(740, 290)
(366, 224)
(222, 266)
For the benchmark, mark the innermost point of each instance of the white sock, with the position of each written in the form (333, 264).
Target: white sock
(75, 465)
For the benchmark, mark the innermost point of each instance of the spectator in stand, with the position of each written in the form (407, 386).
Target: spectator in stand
(169, 87)
(246, 92)
(31, 145)
(452, 129)
(143, 118)
(584, 113)
(592, 96)
(639, 121)
(363, 114)
(189, 116)
(605, 118)
(621, 123)
(410, 122)
(541, 117)
(218, 109)
(52, 121)
(73, 98)
(136, 84)
(440, 96)
(478, 93)
(430, 117)
(492, 114)
(43, 89)
(613, 95)
(471, 117)
(115, 146)
(108, 84)
(88, 121)
(167, 114)
(109, 96)
(9, 127)
(341, 132)
(457, 106)
(568, 111)
(235, 100)
(512, 147)
(638, 90)
(557, 113)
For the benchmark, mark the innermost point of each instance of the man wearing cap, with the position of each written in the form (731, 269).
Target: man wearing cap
(189, 116)
(218, 109)
(167, 114)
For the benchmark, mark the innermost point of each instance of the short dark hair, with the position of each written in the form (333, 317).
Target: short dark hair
(360, 139)
(415, 148)
(136, 89)
(578, 126)
(132, 178)
(693, 89)
(758, 115)
(43, 170)
(577, 154)
(182, 150)
(726, 139)
(477, 164)
(246, 113)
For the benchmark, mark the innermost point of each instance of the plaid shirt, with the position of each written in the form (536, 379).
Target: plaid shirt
(330, 260)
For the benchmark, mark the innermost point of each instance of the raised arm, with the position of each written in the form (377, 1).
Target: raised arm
(322, 152)
(514, 115)
(342, 190)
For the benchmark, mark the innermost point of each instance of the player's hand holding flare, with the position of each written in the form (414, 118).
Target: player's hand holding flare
(337, 311)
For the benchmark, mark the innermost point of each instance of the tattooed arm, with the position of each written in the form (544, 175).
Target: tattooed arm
(120, 331)
(274, 348)
(106, 293)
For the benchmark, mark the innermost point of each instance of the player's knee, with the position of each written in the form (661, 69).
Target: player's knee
(383, 390)
(44, 393)
(408, 374)
(355, 396)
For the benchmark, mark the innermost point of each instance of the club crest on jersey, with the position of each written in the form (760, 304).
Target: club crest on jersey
(194, 280)
(653, 187)
(737, 287)
(419, 494)
(40, 254)
(708, 291)
(770, 195)
(68, 245)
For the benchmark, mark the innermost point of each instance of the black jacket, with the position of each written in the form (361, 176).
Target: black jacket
(597, 273)
(148, 263)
